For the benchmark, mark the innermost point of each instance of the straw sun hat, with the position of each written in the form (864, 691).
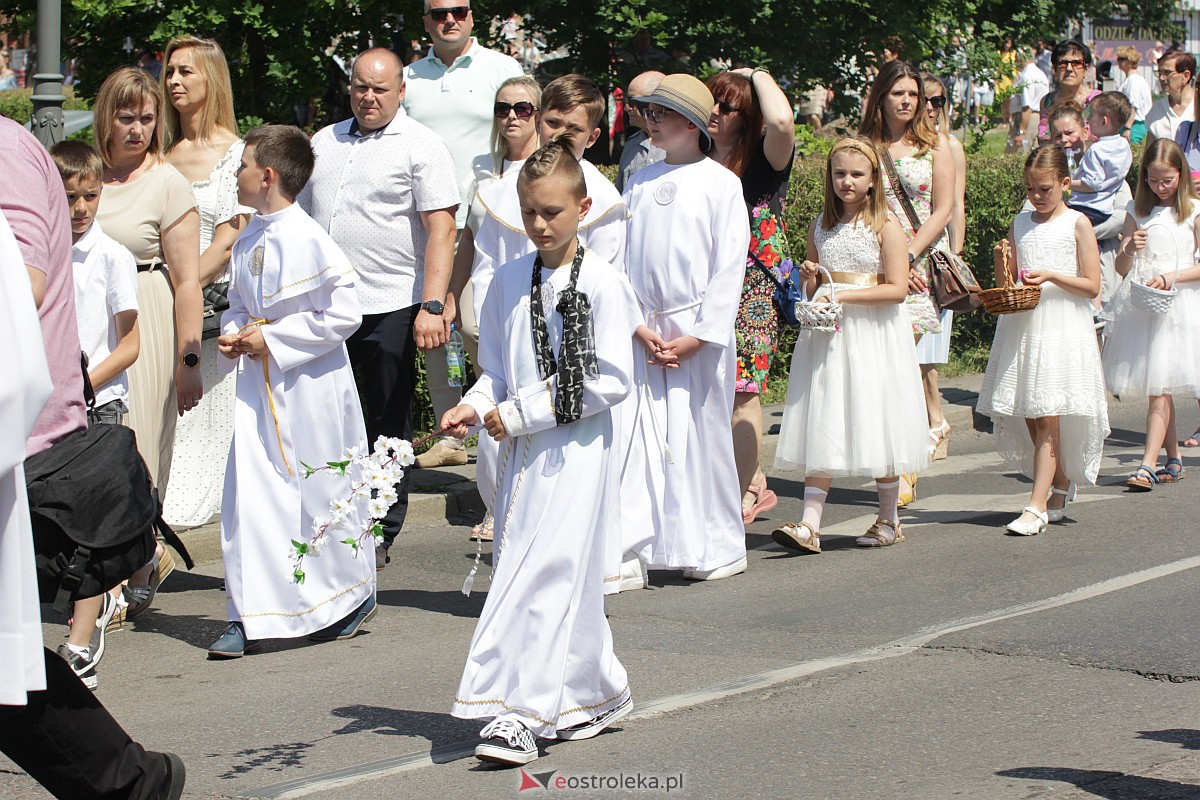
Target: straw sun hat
(688, 96)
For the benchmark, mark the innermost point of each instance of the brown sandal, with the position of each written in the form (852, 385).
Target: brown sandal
(874, 536)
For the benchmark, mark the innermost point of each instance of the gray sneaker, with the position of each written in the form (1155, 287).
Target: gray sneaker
(83, 666)
(381, 556)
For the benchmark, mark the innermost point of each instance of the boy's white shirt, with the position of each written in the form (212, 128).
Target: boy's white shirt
(501, 236)
(105, 276)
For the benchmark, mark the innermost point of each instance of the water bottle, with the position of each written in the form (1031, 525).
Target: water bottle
(456, 367)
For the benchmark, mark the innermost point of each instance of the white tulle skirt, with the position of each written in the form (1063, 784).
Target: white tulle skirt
(1046, 363)
(1154, 354)
(854, 404)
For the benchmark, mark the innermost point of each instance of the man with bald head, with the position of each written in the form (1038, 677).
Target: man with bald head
(384, 187)
(639, 151)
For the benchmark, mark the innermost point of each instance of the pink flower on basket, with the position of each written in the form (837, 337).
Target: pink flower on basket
(1021, 274)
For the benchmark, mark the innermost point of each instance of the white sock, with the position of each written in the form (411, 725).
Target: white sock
(86, 652)
(814, 504)
(889, 497)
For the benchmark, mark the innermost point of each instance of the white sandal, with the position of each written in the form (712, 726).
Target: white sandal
(1020, 528)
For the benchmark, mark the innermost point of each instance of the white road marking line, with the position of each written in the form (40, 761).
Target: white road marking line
(373, 770)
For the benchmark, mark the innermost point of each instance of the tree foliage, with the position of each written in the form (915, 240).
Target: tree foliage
(278, 50)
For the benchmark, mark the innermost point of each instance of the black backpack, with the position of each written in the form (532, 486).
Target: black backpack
(94, 513)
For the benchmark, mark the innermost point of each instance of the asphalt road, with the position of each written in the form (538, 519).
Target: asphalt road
(962, 663)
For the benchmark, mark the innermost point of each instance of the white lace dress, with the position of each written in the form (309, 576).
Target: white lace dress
(1045, 362)
(1155, 354)
(203, 434)
(854, 402)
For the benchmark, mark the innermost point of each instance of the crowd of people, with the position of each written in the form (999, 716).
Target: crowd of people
(251, 306)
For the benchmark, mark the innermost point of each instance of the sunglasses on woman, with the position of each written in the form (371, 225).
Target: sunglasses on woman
(440, 14)
(938, 102)
(725, 107)
(523, 109)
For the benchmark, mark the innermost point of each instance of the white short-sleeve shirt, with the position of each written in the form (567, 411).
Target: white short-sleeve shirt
(1162, 121)
(105, 285)
(368, 190)
(456, 102)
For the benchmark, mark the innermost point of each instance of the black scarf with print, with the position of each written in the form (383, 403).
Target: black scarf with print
(575, 354)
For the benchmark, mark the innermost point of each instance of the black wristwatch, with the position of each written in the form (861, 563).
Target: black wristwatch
(189, 360)
(434, 307)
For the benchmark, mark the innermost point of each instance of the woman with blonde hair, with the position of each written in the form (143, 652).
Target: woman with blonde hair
(148, 207)
(910, 147)
(8, 78)
(199, 131)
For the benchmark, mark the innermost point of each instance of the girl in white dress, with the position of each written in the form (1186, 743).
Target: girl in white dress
(1044, 387)
(855, 406)
(1149, 354)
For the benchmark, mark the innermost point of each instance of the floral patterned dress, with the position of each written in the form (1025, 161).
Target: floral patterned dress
(757, 328)
(916, 179)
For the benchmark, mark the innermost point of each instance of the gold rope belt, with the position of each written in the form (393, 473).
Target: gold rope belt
(270, 397)
(856, 278)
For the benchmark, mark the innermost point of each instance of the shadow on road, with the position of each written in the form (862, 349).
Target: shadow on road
(454, 603)
(1184, 737)
(447, 735)
(1109, 785)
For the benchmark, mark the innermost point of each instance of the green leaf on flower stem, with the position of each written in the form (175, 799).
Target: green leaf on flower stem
(338, 466)
(308, 469)
(298, 576)
(350, 541)
(376, 530)
(300, 547)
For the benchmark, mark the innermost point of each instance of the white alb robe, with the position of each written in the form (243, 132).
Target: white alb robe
(686, 258)
(286, 269)
(501, 238)
(23, 392)
(542, 650)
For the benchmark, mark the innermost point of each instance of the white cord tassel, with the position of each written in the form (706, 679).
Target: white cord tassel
(469, 583)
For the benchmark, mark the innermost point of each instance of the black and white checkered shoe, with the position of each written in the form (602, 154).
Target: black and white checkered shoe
(506, 741)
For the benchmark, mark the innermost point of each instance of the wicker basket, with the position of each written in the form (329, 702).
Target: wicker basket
(824, 317)
(1010, 298)
(1156, 301)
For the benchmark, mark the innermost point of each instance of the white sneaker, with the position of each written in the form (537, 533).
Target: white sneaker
(633, 574)
(506, 741)
(719, 573)
(593, 726)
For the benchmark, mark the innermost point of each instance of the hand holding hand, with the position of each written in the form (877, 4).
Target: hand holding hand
(682, 348)
(655, 346)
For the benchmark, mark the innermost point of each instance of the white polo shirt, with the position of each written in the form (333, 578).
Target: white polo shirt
(456, 103)
(1162, 122)
(105, 285)
(368, 190)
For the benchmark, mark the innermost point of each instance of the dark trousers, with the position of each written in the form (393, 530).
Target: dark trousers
(384, 355)
(69, 743)
(1095, 217)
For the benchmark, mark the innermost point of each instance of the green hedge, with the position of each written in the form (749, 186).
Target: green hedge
(995, 192)
(17, 104)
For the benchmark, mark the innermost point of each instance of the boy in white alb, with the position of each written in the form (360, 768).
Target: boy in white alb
(686, 257)
(106, 310)
(572, 107)
(555, 345)
(292, 305)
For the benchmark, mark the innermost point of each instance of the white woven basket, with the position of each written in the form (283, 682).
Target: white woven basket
(1156, 301)
(824, 317)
